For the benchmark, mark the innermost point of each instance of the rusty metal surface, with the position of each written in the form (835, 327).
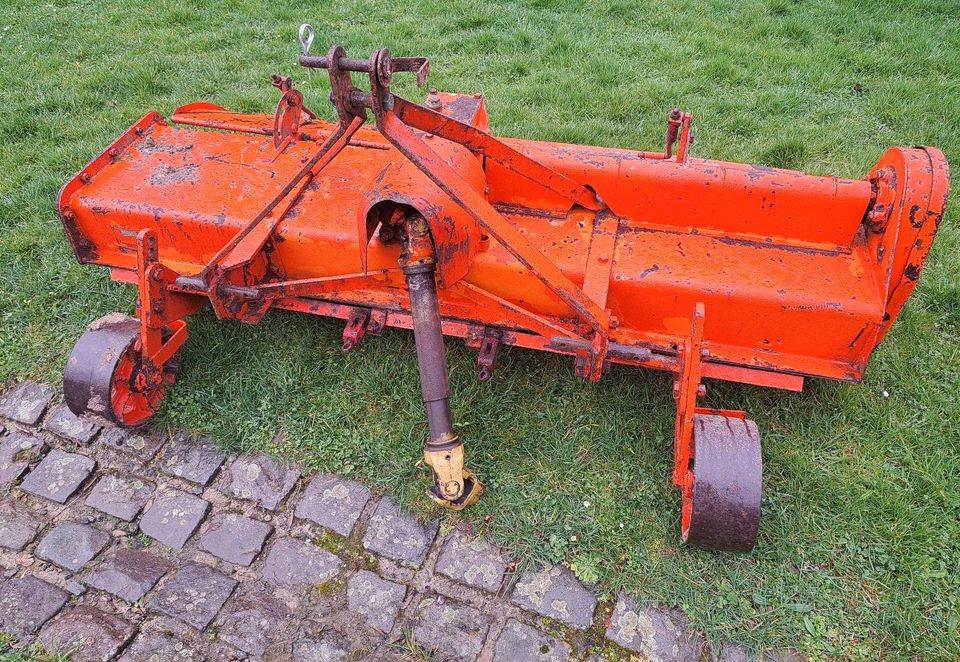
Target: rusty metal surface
(88, 377)
(418, 264)
(727, 477)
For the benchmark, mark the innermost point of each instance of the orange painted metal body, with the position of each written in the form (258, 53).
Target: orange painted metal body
(426, 220)
(792, 278)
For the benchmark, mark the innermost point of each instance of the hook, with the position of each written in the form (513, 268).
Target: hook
(306, 41)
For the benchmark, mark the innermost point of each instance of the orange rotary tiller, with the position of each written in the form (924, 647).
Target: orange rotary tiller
(426, 220)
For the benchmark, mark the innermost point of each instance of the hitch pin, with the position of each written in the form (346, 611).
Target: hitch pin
(306, 41)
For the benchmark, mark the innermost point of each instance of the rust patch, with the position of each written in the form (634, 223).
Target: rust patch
(649, 270)
(82, 246)
(519, 210)
(914, 221)
(165, 174)
(857, 337)
(152, 146)
(463, 109)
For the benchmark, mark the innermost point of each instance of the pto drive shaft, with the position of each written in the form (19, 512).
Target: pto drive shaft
(454, 487)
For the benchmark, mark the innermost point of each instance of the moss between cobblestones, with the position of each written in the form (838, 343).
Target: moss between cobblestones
(33, 653)
(349, 550)
(328, 588)
(331, 542)
(613, 653)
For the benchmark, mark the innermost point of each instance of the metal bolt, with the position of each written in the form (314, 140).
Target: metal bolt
(433, 99)
(85, 178)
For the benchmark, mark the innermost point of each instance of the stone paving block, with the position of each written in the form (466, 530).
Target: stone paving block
(58, 475)
(18, 526)
(26, 402)
(522, 643)
(292, 562)
(65, 423)
(316, 650)
(26, 603)
(195, 460)
(159, 646)
(173, 517)
(235, 538)
(260, 479)
(253, 620)
(194, 595)
(333, 502)
(142, 443)
(398, 535)
(556, 593)
(450, 631)
(71, 546)
(87, 633)
(128, 573)
(16, 452)
(472, 560)
(162, 639)
(653, 632)
(120, 496)
(376, 600)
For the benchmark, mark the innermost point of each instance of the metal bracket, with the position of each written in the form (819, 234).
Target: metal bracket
(487, 359)
(286, 118)
(679, 126)
(161, 312)
(882, 205)
(687, 387)
(355, 329)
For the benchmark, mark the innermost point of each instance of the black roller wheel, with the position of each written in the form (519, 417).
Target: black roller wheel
(721, 505)
(101, 376)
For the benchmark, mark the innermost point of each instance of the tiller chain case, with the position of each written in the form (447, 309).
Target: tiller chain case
(426, 220)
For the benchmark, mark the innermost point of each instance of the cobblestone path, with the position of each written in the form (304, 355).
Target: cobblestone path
(141, 546)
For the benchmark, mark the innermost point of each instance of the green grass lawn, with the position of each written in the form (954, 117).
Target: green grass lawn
(859, 550)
